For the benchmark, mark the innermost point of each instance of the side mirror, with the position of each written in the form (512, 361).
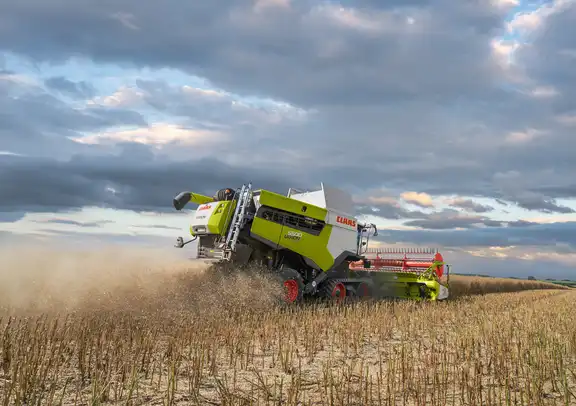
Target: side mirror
(179, 242)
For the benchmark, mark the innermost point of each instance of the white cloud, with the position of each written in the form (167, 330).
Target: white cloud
(10, 153)
(263, 5)
(20, 79)
(570, 53)
(158, 134)
(198, 92)
(503, 51)
(128, 20)
(506, 3)
(521, 137)
(544, 91)
(564, 259)
(419, 199)
(567, 119)
(382, 200)
(526, 22)
(126, 96)
(374, 22)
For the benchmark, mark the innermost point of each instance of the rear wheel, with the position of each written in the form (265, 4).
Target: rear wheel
(364, 290)
(334, 290)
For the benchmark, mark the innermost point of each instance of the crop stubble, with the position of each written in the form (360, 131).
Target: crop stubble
(121, 328)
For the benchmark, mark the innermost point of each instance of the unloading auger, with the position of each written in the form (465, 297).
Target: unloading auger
(312, 242)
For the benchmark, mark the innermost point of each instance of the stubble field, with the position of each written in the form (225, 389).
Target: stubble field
(115, 327)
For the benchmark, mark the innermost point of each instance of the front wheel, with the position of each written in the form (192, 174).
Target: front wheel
(292, 285)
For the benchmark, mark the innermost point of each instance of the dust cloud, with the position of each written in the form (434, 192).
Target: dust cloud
(45, 279)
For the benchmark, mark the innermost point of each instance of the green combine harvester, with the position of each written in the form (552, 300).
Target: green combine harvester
(311, 242)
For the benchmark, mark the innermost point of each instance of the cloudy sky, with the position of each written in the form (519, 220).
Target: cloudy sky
(451, 122)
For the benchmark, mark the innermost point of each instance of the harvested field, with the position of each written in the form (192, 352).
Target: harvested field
(123, 329)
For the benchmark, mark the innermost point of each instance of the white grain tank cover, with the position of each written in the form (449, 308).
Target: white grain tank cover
(328, 198)
(344, 236)
(337, 200)
(315, 198)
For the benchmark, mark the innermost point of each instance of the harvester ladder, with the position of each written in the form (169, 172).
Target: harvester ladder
(237, 220)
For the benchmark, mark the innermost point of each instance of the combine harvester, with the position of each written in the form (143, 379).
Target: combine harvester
(311, 242)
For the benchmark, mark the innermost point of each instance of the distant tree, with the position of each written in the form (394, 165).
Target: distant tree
(531, 278)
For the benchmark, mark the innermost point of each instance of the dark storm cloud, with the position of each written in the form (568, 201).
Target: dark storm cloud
(450, 218)
(550, 56)
(117, 181)
(443, 149)
(295, 54)
(420, 106)
(150, 183)
(44, 185)
(560, 191)
(79, 90)
(540, 203)
(11, 217)
(472, 206)
(519, 189)
(390, 208)
(390, 211)
(442, 222)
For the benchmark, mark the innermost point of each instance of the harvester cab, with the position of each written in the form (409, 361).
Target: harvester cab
(310, 240)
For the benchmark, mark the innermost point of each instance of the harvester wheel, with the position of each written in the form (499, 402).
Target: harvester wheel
(293, 285)
(364, 290)
(334, 290)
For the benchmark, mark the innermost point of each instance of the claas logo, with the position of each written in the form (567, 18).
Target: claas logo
(205, 207)
(345, 220)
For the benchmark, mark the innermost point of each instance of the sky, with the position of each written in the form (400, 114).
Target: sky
(450, 122)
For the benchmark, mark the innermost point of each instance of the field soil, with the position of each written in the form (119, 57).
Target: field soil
(137, 327)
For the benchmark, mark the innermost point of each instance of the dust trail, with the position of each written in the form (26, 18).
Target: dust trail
(55, 280)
